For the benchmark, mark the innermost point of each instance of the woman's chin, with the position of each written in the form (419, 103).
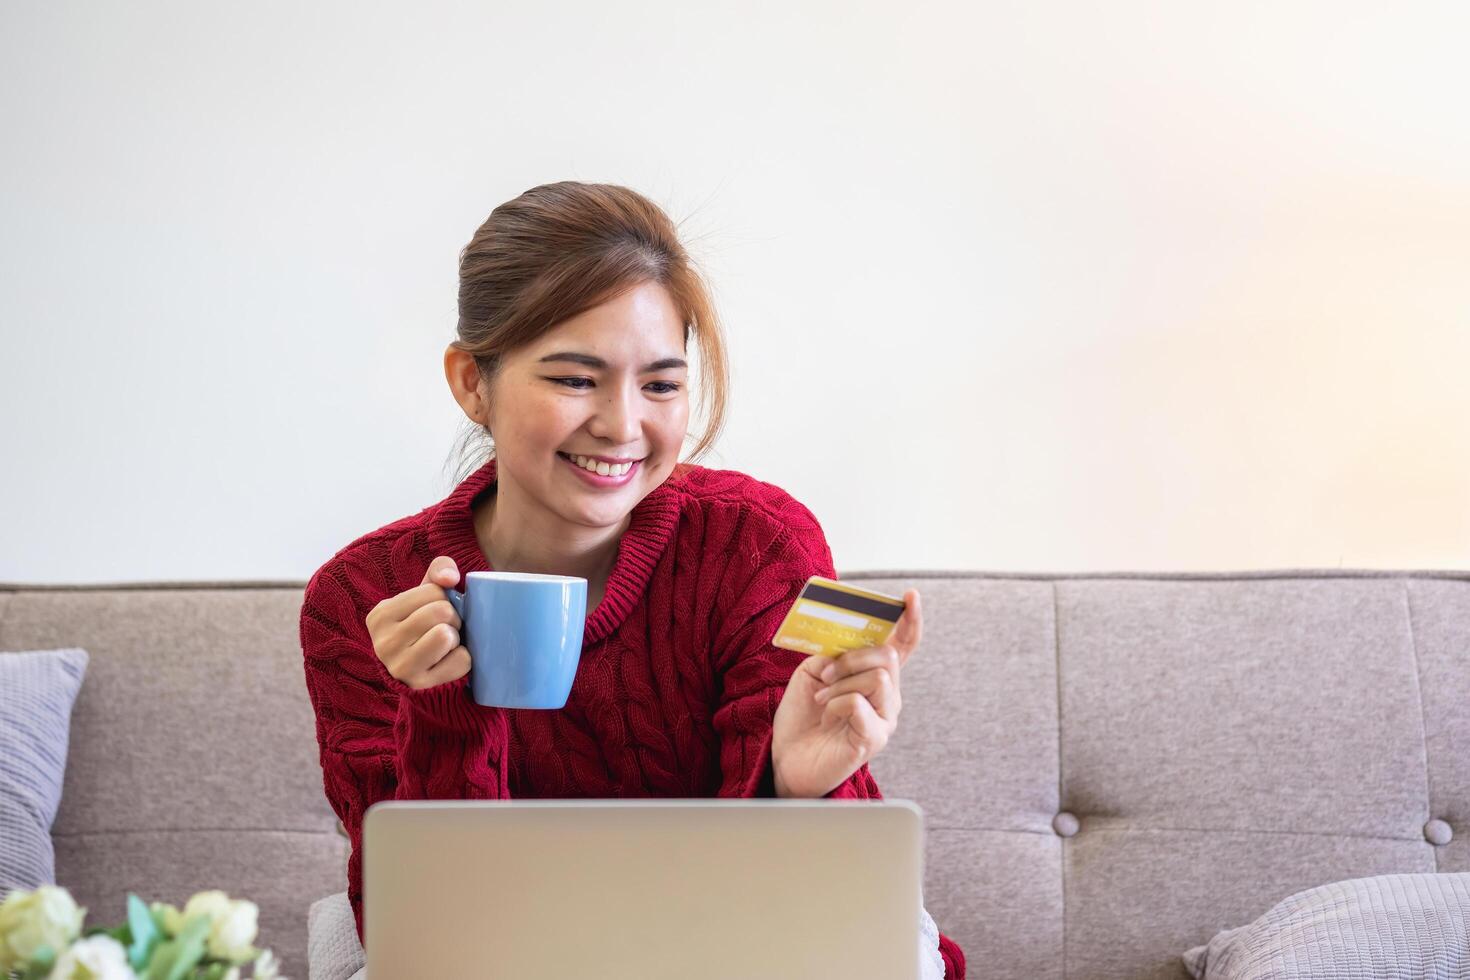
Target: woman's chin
(606, 512)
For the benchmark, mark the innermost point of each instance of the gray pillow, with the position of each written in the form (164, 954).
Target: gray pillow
(1409, 927)
(37, 689)
(332, 946)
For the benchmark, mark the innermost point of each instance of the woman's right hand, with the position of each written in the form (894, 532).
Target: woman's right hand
(416, 632)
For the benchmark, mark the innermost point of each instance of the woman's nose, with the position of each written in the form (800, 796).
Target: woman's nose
(617, 418)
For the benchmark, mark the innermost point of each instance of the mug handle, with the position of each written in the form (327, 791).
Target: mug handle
(456, 599)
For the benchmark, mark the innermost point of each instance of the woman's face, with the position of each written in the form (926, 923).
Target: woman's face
(609, 385)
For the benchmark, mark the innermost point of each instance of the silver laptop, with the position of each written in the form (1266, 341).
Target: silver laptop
(647, 889)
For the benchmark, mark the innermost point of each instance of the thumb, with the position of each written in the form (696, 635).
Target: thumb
(910, 627)
(442, 571)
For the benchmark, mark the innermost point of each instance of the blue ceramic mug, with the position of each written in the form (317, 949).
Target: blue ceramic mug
(524, 635)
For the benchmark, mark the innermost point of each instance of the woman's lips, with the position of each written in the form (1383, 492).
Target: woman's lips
(597, 480)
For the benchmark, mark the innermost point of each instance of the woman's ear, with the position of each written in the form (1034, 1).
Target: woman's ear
(467, 385)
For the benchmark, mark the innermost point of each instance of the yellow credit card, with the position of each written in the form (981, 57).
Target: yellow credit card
(831, 617)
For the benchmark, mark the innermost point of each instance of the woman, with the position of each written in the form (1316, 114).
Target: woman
(576, 305)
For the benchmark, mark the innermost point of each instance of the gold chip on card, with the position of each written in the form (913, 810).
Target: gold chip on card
(831, 617)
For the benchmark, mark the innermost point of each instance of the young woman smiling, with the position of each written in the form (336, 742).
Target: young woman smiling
(576, 305)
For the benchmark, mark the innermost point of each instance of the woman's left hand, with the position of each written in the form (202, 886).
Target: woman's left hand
(829, 724)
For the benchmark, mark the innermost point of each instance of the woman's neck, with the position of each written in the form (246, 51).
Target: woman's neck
(520, 535)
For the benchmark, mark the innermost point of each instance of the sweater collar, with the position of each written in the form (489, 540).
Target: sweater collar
(452, 532)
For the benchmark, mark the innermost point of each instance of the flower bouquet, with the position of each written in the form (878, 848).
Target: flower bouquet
(41, 938)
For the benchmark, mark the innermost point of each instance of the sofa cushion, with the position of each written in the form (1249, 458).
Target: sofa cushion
(1409, 926)
(37, 690)
(332, 947)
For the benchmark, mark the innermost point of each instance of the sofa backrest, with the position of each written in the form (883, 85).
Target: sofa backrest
(1112, 768)
(193, 759)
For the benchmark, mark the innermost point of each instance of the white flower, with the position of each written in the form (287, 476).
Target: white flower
(97, 957)
(233, 924)
(266, 967)
(211, 903)
(31, 919)
(230, 937)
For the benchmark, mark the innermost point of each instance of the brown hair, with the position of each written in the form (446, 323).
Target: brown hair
(562, 248)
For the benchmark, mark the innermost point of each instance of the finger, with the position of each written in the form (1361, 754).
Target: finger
(878, 682)
(429, 649)
(814, 665)
(857, 661)
(427, 616)
(910, 626)
(454, 665)
(398, 608)
(808, 675)
(878, 685)
(869, 732)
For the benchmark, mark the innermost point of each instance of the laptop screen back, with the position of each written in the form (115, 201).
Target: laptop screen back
(643, 889)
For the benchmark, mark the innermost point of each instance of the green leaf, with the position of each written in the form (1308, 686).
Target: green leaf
(176, 957)
(120, 933)
(215, 971)
(145, 933)
(164, 955)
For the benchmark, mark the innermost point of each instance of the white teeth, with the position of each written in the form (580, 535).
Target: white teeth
(601, 468)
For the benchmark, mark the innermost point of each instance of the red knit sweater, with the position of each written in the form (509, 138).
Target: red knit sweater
(675, 690)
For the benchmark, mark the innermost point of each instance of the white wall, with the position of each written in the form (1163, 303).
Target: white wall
(1061, 286)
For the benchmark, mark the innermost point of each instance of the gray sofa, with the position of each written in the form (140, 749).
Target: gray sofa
(1112, 767)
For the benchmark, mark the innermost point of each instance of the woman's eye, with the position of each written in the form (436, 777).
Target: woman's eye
(582, 384)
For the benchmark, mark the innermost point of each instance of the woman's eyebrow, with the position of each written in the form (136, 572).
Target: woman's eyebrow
(596, 362)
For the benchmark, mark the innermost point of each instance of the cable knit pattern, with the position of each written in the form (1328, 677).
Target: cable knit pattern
(675, 691)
